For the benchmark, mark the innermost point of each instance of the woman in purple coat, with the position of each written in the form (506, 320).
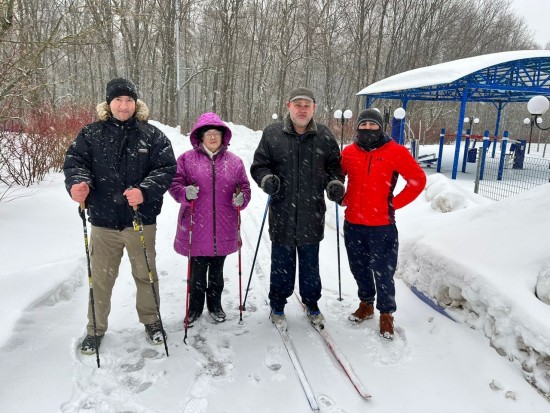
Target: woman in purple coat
(215, 181)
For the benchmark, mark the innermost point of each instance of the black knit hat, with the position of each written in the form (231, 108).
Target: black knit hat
(201, 131)
(301, 93)
(369, 115)
(120, 86)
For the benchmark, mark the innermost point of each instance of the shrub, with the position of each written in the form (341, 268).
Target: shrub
(28, 154)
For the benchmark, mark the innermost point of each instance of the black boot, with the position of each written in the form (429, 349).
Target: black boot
(154, 332)
(88, 344)
(217, 314)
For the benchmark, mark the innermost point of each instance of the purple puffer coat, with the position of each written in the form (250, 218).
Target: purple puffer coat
(215, 218)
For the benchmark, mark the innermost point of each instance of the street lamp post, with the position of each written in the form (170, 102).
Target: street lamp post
(526, 122)
(537, 106)
(400, 114)
(471, 123)
(343, 116)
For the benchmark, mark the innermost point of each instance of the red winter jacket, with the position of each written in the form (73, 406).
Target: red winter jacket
(372, 176)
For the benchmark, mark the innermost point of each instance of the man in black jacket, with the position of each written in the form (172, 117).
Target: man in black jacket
(296, 160)
(115, 164)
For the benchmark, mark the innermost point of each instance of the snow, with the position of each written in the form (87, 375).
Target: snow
(481, 258)
(448, 72)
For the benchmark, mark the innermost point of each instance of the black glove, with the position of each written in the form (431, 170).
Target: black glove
(271, 184)
(336, 191)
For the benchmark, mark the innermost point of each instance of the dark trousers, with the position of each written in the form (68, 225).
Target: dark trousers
(200, 287)
(283, 274)
(372, 254)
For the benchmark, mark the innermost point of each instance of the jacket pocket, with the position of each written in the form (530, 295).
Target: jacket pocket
(182, 216)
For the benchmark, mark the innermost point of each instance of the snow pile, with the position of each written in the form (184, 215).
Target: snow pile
(484, 266)
(446, 196)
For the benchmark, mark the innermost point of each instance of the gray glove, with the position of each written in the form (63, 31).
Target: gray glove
(191, 192)
(238, 199)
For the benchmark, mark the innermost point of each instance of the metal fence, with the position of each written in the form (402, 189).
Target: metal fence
(509, 174)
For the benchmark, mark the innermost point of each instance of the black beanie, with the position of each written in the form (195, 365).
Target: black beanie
(120, 86)
(200, 132)
(370, 115)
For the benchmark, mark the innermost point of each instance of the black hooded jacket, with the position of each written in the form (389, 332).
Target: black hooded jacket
(112, 156)
(305, 165)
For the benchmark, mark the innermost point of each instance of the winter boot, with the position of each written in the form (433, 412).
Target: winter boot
(315, 316)
(278, 318)
(192, 318)
(364, 312)
(154, 333)
(88, 344)
(217, 314)
(386, 326)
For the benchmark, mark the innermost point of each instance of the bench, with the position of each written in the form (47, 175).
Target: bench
(427, 160)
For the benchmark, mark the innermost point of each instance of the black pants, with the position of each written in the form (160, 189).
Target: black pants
(372, 255)
(283, 274)
(200, 287)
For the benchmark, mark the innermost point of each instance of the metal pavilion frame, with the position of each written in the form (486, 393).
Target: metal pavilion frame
(502, 83)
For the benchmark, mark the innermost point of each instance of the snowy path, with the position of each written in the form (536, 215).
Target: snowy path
(433, 364)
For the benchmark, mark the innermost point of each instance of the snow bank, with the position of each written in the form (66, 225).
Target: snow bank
(485, 274)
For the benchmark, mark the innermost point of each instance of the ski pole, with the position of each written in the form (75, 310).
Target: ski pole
(343, 119)
(338, 253)
(240, 261)
(138, 225)
(188, 293)
(256, 252)
(82, 213)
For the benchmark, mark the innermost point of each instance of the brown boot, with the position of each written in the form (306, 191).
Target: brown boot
(386, 326)
(364, 312)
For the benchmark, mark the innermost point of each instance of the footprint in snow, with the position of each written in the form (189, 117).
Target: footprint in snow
(196, 405)
(273, 359)
(217, 362)
(327, 404)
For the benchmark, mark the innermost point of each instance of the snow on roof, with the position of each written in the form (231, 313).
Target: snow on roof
(447, 72)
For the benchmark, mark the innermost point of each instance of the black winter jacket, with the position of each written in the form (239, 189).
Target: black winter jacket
(112, 156)
(305, 164)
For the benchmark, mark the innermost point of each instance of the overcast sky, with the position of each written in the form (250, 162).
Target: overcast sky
(537, 15)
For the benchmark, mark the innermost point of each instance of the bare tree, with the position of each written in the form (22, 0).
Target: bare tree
(239, 57)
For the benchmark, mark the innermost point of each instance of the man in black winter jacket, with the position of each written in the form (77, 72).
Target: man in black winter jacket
(114, 165)
(295, 162)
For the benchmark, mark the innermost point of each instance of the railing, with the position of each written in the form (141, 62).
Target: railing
(508, 174)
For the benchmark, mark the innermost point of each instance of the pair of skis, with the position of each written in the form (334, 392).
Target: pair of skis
(336, 353)
(287, 341)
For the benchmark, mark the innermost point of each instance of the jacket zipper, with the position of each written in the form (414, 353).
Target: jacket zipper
(214, 205)
(370, 163)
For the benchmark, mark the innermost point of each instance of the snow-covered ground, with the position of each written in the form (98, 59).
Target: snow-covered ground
(479, 257)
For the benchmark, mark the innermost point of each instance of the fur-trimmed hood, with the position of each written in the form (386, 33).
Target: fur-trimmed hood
(104, 111)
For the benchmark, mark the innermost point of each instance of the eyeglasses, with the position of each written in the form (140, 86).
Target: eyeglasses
(213, 135)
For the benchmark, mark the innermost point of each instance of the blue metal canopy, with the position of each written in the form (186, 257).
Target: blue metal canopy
(498, 78)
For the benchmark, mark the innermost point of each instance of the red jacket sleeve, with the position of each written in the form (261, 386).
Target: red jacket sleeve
(415, 177)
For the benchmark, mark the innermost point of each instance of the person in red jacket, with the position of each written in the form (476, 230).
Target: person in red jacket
(372, 164)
